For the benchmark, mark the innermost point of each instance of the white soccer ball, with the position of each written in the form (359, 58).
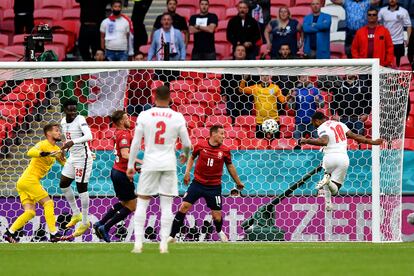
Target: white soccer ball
(410, 219)
(270, 126)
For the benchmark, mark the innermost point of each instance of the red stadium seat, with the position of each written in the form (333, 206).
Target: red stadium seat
(186, 12)
(222, 4)
(47, 16)
(13, 51)
(4, 40)
(254, 144)
(409, 132)
(232, 144)
(186, 86)
(410, 121)
(220, 109)
(18, 39)
(205, 99)
(287, 126)
(200, 132)
(179, 98)
(99, 122)
(74, 4)
(223, 51)
(192, 109)
(231, 12)
(280, 3)
(193, 121)
(337, 50)
(248, 123)
(283, 144)
(305, 3)
(6, 4)
(222, 25)
(187, 4)
(209, 85)
(235, 132)
(7, 23)
(220, 37)
(62, 39)
(223, 120)
(299, 12)
(53, 4)
(220, 11)
(71, 14)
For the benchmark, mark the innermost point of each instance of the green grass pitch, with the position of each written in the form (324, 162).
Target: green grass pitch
(209, 259)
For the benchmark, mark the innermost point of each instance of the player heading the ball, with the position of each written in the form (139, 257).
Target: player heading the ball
(43, 155)
(211, 156)
(333, 136)
(160, 127)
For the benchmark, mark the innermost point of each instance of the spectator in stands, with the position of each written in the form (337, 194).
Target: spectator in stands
(236, 104)
(203, 26)
(373, 41)
(410, 52)
(178, 21)
(317, 29)
(283, 31)
(284, 52)
(100, 55)
(92, 13)
(167, 34)
(266, 95)
(115, 34)
(139, 11)
(243, 29)
(395, 18)
(23, 16)
(260, 11)
(139, 89)
(352, 103)
(356, 18)
(305, 100)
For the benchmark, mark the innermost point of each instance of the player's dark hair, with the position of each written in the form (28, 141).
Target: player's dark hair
(117, 116)
(49, 127)
(318, 116)
(166, 14)
(372, 9)
(70, 102)
(117, 1)
(215, 128)
(162, 93)
(168, 1)
(204, 1)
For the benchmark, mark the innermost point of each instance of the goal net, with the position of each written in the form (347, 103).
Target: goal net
(240, 96)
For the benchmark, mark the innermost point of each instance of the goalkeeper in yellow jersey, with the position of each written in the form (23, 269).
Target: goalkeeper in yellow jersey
(28, 186)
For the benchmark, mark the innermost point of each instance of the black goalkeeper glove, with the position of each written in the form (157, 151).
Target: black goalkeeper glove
(44, 154)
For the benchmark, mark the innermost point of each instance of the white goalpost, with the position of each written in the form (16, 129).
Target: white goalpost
(367, 208)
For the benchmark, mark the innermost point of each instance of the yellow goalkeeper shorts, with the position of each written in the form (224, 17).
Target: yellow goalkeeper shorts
(30, 190)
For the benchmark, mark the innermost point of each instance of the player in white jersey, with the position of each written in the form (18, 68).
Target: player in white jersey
(333, 137)
(78, 166)
(160, 127)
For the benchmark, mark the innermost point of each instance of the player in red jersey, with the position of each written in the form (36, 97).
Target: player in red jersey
(124, 188)
(212, 155)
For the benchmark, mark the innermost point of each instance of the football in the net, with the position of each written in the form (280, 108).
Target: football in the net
(270, 126)
(410, 219)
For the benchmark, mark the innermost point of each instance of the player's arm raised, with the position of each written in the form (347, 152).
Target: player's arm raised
(321, 141)
(36, 151)
(364, 140)
(233, 173)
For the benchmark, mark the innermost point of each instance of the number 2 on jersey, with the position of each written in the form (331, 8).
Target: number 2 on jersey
(161, 126)
(339, 133)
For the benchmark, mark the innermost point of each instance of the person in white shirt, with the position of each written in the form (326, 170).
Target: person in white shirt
(117, 34)
(395, 18)
(78, 167)
(333, 137)
(160, 127)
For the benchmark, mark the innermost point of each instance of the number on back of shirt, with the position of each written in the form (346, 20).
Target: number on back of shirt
(161, 127)
(339, 133)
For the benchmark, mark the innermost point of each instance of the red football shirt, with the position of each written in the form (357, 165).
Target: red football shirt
(209, 166)
(123, 139)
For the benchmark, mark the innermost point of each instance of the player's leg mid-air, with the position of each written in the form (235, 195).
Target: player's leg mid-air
(333, 137)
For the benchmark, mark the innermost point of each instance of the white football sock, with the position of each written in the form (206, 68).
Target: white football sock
(70, 198)
(328, 195)
(84, 197)
(333, 188)
(140, 217)
(166, 216)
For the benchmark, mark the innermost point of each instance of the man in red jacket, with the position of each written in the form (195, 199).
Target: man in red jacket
(373, 41)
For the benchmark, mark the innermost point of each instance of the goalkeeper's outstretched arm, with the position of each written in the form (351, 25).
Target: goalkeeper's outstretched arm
(364, 140)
